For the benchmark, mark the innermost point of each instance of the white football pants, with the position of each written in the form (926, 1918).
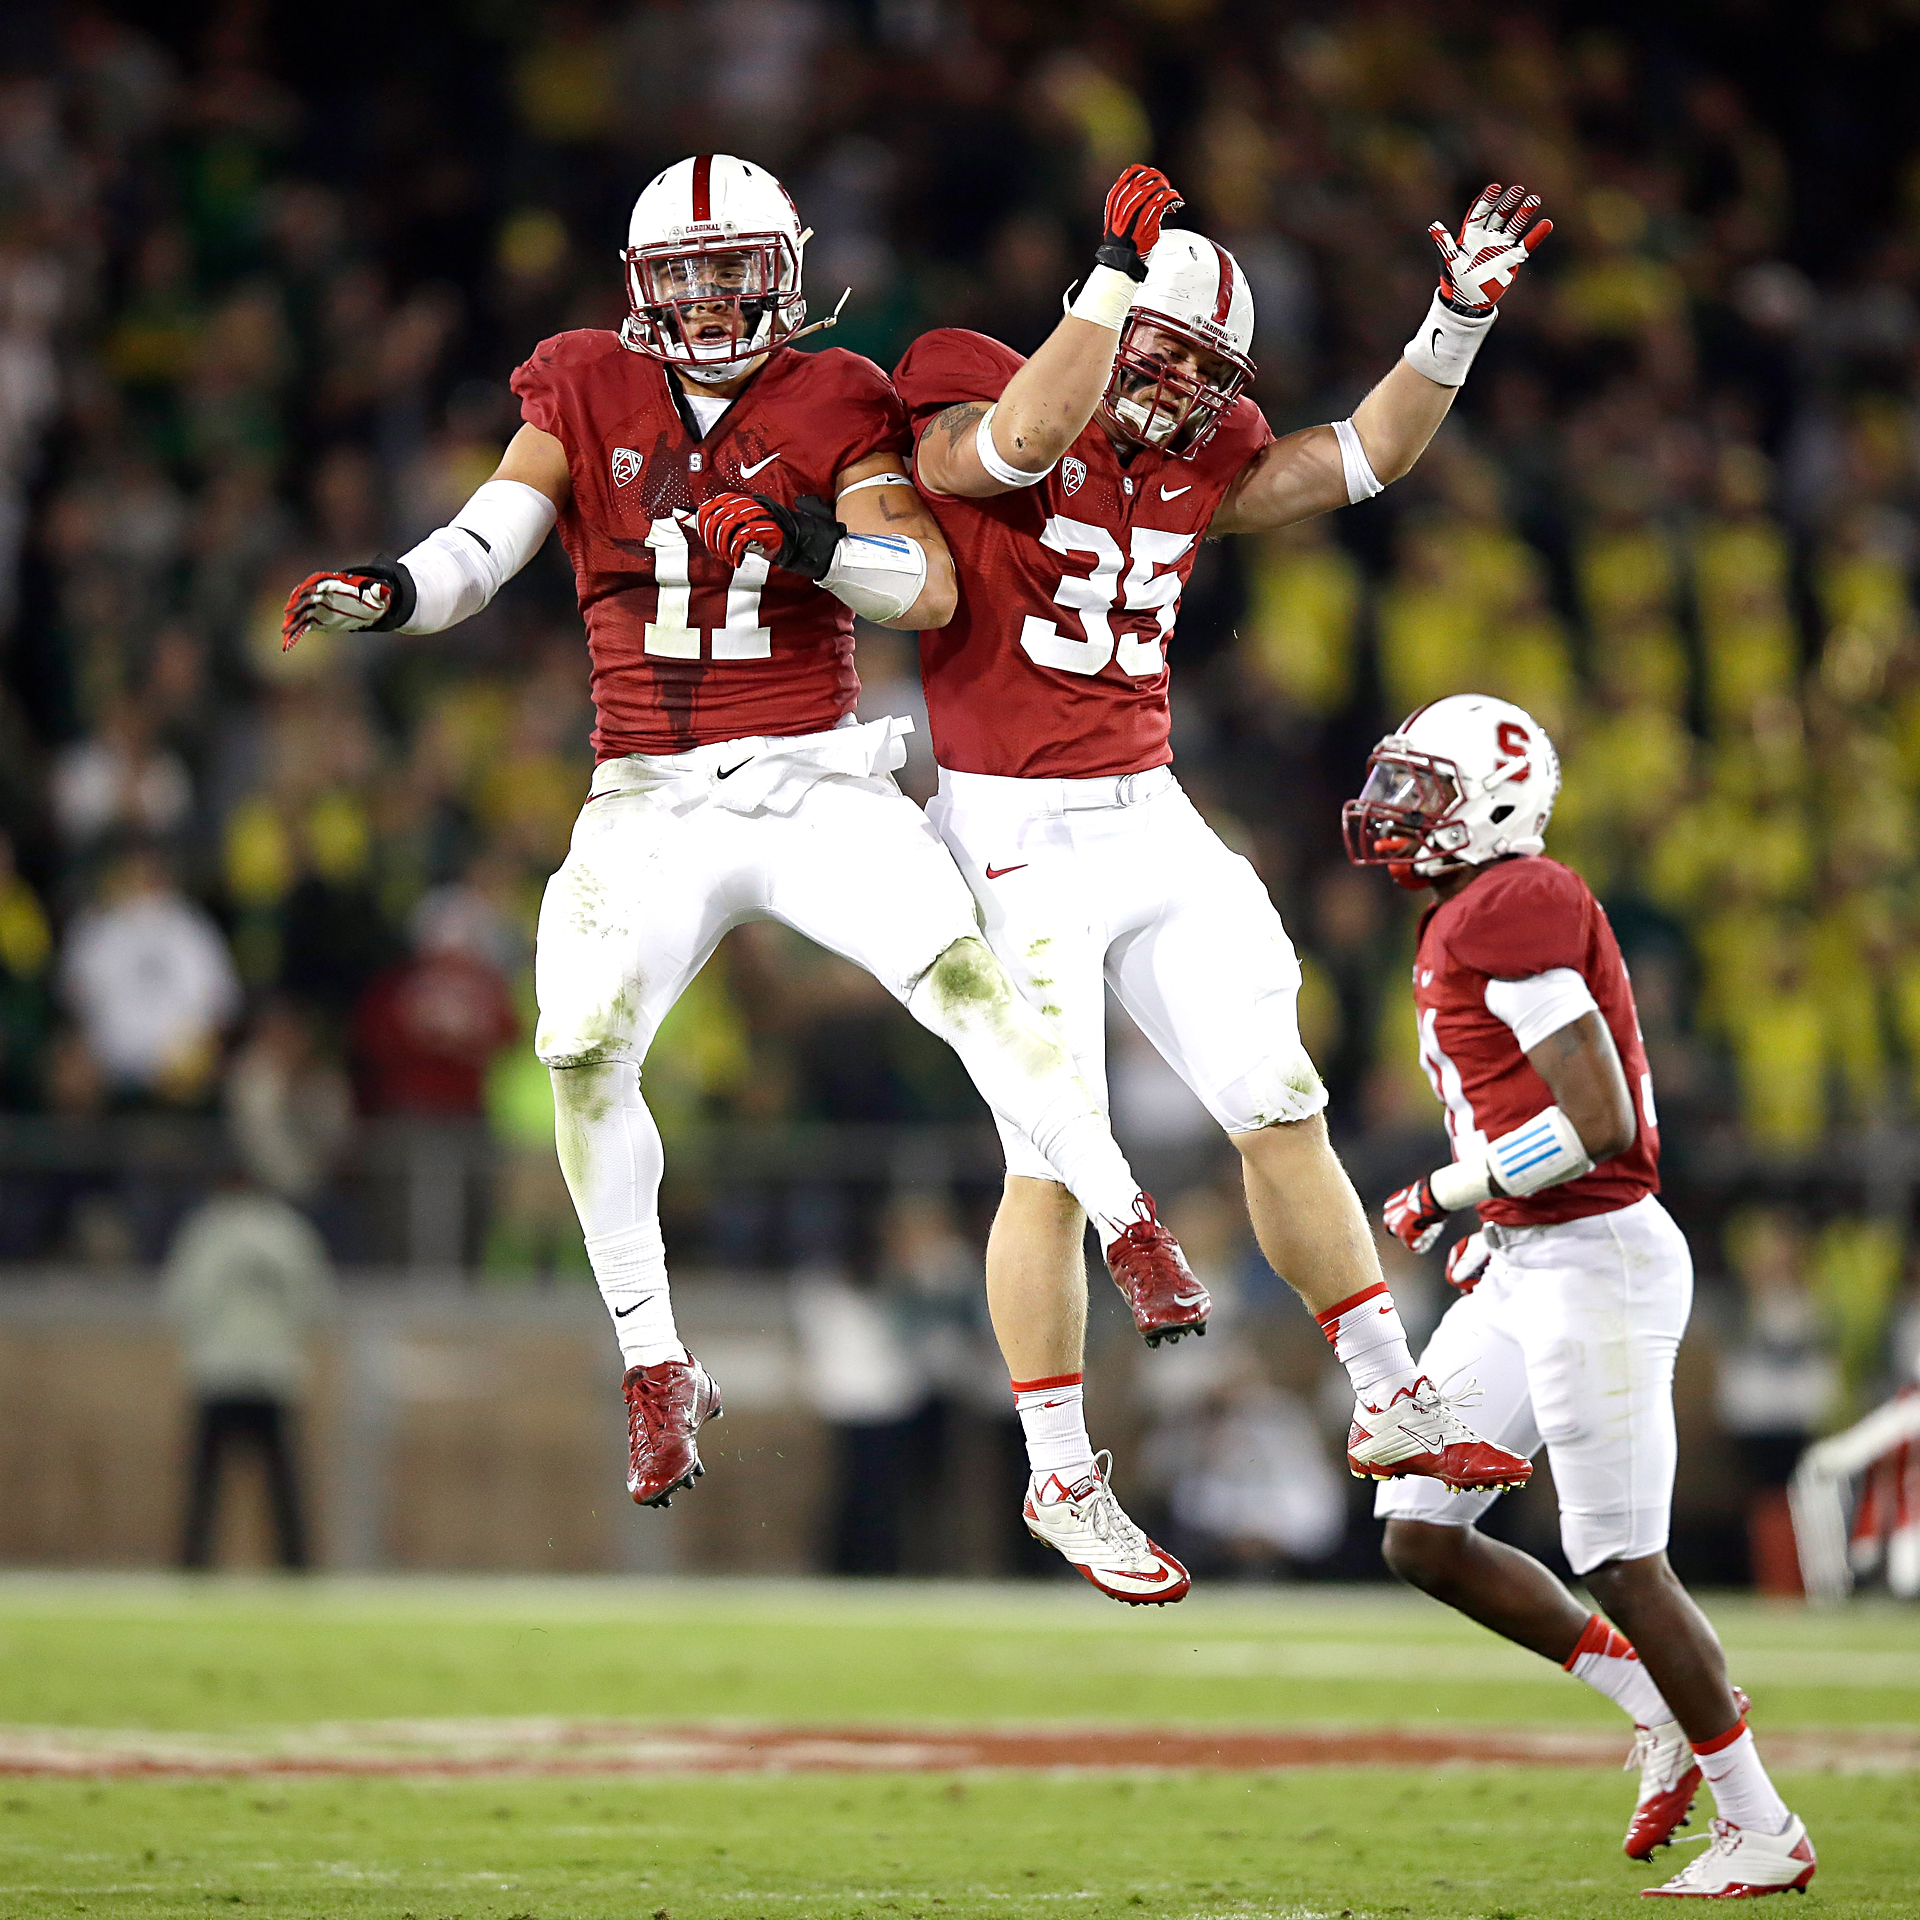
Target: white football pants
(669, 852)
(1572, 1334)
(1081, 883)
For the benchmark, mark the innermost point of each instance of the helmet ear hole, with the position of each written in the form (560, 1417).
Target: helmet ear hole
(1499, 814)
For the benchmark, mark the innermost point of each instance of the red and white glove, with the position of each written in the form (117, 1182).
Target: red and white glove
(1496, 240)
(731, 524)
(1136, 204)
(1467, 1262)
(377, 596)
(1414, 1217)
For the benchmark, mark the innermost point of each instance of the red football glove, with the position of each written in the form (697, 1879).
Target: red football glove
(731, 524)
(1467, 1262)
(1497, 238)
(349, 600)
(1136, 204)
(1414, 1217)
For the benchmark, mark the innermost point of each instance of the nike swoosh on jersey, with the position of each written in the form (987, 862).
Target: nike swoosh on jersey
(994, 873)
(1174, 493)
(747, 473)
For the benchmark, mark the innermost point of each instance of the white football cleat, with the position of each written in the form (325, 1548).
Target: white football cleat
(1087, 1524)
(1418, 1432)
(1741, 1865)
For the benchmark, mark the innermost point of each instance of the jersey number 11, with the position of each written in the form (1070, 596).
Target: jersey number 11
(668, 634)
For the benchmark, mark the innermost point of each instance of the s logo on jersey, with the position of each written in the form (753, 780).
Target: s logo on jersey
(626, 466)
(1073, 474)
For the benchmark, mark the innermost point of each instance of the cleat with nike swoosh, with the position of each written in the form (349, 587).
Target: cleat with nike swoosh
(1418, 1433)
(1089, 1526)
(1168, 1301)
(999, 873)
(666, 1406)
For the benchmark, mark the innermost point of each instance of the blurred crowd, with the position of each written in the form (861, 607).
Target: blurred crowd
(259, 298)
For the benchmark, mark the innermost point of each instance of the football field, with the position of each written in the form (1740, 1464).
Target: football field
(492, 1749)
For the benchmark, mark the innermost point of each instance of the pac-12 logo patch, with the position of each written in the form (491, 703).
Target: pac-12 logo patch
(1073, 473)
(626, 466)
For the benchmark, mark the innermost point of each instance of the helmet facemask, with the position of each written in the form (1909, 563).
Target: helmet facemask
(1154, 403)
(711, 308)
(1406, 818)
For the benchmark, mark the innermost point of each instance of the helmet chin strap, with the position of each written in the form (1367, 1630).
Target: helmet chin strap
(727, 370)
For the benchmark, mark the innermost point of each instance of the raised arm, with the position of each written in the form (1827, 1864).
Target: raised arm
(453, 572)
(981, 447)
(1320, 468)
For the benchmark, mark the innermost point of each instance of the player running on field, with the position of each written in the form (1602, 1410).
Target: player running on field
(733, 782)
(1073, 489)
(1575, 1288)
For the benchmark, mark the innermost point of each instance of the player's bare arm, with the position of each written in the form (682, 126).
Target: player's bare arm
(537, 460)
(876, 548)
(1581, 1067)
(980, 448)
(1321, 468)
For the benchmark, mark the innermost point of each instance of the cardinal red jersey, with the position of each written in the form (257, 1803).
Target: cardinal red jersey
(1519, 918)
(687, 650)
(1055, 662)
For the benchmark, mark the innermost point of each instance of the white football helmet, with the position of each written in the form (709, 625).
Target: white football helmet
(1462, 781)
(722, 236)
(1195, 290)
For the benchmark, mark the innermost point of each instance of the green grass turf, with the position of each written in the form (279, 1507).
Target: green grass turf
(220, 1655)
(227, 1656)
(1488, 1842)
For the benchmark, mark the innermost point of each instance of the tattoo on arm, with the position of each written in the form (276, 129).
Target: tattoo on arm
(956, 420)
(887, 510)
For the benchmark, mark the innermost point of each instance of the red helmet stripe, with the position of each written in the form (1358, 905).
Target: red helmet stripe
(703, 187)
(1224, 304)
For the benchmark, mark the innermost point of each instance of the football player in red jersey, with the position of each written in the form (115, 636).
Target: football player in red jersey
(1576, 1286)
(733, 782)
(1074, 489)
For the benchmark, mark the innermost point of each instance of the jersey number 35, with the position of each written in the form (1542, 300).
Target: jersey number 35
(1093, 596)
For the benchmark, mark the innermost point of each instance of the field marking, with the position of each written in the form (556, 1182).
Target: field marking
(548, 1745)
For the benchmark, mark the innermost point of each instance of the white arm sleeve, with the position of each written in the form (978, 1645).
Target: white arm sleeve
(1541, 1004)
(1362, 482)
(878, 575)
(995, 463)
(459, 568)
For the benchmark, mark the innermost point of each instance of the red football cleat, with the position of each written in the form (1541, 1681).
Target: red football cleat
(666, 1407)
(1149, 1268)
(1670, 1781)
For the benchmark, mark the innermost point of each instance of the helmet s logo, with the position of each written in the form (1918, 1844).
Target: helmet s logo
(1073, 474)
(626, 466)
(1513, 740)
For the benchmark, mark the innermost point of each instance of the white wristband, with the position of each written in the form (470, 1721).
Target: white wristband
(458, 568)
(1444, 347)
(1362, 482)
(996, 463)
(1106, 299)
(878, 575)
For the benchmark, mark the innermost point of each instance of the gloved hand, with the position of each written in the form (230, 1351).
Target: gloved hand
(1136, 204)
(1497, 238)
(376, 597)
(1414, 1217)
(799, 539)
(1467, 1262)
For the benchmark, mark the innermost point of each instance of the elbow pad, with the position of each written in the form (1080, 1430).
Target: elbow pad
(878, 575)
(459, 568)
(996, 463)
(1541, 1152)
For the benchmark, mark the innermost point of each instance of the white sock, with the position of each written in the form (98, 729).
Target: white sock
(631, 1269)
(611, 1154)
(1741, 1790)
(1027, 1077)
(1053, 1415)
(1368, 1340)
(1606, 1661)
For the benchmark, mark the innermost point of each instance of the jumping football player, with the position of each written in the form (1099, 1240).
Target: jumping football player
(1576, 1286)
(1073, 489)
(733, 782)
